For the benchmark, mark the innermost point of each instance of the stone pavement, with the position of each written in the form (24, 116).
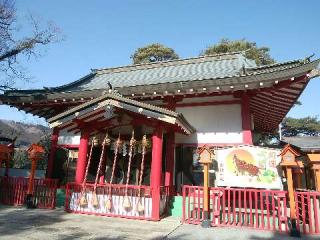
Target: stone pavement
(195, 232)
(21, 223)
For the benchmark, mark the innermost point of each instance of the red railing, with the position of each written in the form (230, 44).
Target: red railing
(308, 212)
(260, 209)
(117, 193)
(13, 191)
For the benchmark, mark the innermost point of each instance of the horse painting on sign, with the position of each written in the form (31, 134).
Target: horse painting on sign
(244, 168)
(248, 166)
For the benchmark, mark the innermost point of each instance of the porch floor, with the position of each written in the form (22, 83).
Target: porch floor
(21, 223)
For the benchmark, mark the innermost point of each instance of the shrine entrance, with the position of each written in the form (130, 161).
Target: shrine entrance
(123, 147)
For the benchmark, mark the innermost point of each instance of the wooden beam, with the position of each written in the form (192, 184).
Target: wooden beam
(263, 105)
(268, 99)
(267, 110)
(280, 96)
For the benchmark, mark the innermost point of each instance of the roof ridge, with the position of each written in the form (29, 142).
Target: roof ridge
(174, 62)
(274, 64)
(92, 73)
(304, 60)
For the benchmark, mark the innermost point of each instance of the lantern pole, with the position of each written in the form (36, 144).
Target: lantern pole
(206, 220)
(205, 158)
(30, 184)
(289, 161)
(35, 153)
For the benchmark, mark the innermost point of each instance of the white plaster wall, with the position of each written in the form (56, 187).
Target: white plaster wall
(214, 124)
(68, 138)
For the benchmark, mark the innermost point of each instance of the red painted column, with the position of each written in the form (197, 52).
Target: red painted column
(156, 172)
(53, 150)
(246, 119)
(82, 156)
(168, 180)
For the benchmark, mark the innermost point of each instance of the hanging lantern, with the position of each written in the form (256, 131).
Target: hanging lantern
(36, 152)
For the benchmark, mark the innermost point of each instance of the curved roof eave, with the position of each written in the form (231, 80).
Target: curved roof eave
(118, 101)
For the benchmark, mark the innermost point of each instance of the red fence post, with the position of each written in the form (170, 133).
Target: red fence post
(315, 201)
(183, 203)
(13, 190)
(238, 207)
(307, 211)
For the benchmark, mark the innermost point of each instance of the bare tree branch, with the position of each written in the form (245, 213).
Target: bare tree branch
(11, 49)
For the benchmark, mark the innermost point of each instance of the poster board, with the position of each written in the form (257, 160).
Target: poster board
(249, 167)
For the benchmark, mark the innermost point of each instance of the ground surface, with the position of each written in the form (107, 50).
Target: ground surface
(21, 223)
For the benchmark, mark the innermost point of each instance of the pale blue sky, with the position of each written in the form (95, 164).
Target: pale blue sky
(106, 33)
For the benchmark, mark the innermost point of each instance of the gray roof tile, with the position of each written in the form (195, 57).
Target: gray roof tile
(305, 143)
(208, 67)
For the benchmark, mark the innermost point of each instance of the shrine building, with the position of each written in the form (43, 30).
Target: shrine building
(140, 125)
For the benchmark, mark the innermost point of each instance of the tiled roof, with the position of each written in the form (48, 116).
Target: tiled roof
(118, 101)
(200, 68)
(216, 70)
(185, 70)
(305, 143)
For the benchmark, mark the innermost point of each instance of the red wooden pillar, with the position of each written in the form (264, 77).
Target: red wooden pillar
(82, 156)
(168, 181)
(246, 119)
(156, 171)
(53, 150)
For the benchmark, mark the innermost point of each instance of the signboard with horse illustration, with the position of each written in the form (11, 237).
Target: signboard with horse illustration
(248, 166)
